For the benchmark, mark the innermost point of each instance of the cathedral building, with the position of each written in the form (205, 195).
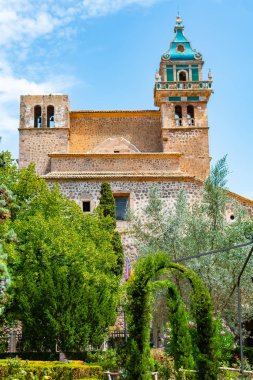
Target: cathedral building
(134, 151)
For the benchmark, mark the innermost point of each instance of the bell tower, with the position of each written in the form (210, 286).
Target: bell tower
(182, 95)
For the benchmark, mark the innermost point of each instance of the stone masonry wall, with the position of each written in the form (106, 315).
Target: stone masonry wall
(116, 163)
(59, 102)
(90, 129)
(138, 198)
(191, 141)
(200, 114)
(35, 144)
(138, 191)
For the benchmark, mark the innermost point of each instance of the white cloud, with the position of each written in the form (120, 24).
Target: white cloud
(94, 8)
(24, 27)
(21, 23)
(11, 87)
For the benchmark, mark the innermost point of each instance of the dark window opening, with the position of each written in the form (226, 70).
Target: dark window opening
(178, 116)
(182, 76)
(180, 48)
(86, 206)
(121, 204)
(37, 117)
(190, 115)
(116, 151)
(50, 116)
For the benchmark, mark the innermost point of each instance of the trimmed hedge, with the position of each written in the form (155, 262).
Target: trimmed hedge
(57, 370)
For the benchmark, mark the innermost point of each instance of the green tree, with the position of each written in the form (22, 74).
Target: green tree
(8, 170)
(181, 345)
(119, 251)
(185, 231)
(107, 202)
(8, 208)
(107, 209)
(2, 160)
(64, 287)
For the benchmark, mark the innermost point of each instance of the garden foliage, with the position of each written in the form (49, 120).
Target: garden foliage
(15, 369)
(64, 266)
(107, 208)
(181, 345)
(107, 202)
(187, 230)
(139, 320)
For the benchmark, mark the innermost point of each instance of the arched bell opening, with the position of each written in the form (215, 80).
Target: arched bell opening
(37, 116)
(190, 115)
(182, 76)
(178, 116)
(50, 117)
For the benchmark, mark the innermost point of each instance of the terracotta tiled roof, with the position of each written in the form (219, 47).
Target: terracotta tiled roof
(121, 175)
(240, 198)
(113, 111)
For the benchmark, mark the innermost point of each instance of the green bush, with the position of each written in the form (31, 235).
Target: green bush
(231, 375)
(109, 360)
(15, 369)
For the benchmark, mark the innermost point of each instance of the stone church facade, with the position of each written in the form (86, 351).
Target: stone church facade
(166, 148)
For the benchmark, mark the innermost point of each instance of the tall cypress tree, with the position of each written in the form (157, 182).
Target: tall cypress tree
(108, 208)
(119, 251)
(107, 202)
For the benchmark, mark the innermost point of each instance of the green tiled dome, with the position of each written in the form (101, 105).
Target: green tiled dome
(180, 48)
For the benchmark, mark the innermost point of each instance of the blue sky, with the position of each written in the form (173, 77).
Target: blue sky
(104, 54)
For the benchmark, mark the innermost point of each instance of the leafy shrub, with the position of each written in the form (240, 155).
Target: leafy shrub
(233, 375)
(225, 340)
(109, 360)
(164, 364)
(15, 369)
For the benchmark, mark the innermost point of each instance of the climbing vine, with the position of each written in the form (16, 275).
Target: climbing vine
(139, 321)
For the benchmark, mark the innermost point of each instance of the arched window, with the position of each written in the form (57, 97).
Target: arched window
(50, 116)
(190, 115)
(182, 76)
(178, 116)
(37, 117)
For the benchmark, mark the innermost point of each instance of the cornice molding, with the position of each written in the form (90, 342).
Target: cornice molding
(115, 156)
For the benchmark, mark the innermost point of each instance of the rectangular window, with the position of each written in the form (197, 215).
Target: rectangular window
(121, 203)
(86, 206)
(195, 73)
(174, 99)
(192, 98)
(170, 74)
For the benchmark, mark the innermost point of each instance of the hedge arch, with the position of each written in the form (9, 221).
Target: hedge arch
(139, 311)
